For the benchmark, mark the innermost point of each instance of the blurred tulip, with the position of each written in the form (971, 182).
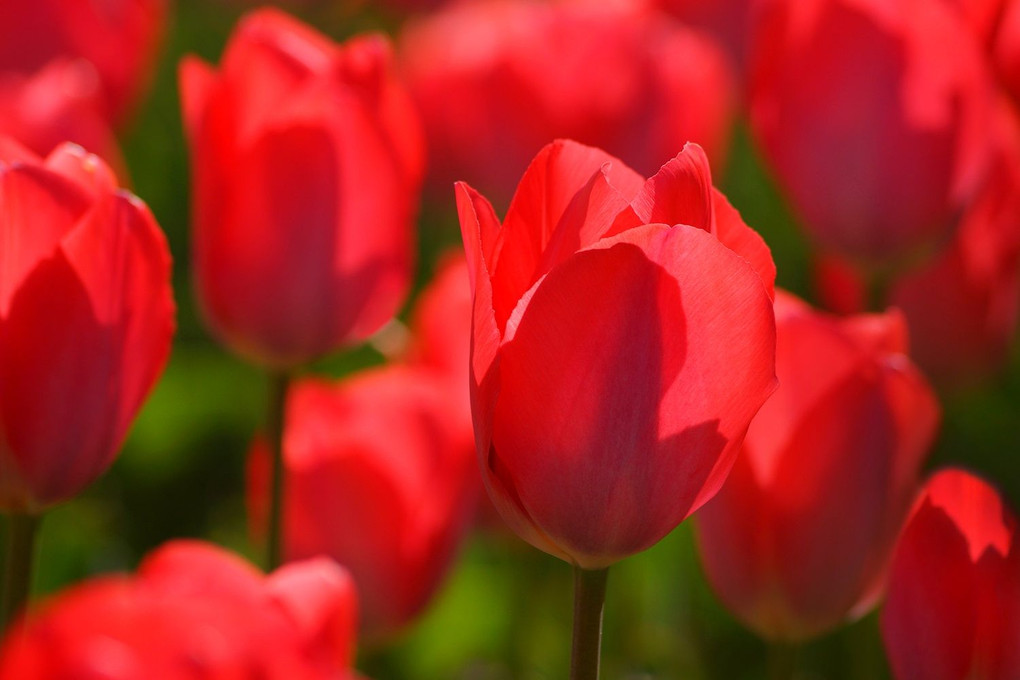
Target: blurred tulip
(116, 38)
(961, 307)
(616, 360)
(306, 162)
(953, 606)
(86, 317)
(60, 103)
(799, 537)
(874, 116)
(496, 80)
(1006, 48)
(381, 479)
(728, 20)
(192, 611)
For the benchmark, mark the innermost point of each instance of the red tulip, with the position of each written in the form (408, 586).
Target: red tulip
(616, 360)
(497, 80)
(380, 478)
(192, 611)
(86, 317)
(953, 605)
(797, 540)
(961, 307)
(59, 103)
(873, 115)
(117, 38)
(306, 164)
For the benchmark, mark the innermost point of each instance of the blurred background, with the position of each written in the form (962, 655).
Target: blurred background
(505, 608)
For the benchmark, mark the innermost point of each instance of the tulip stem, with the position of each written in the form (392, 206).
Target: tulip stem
(782, 660)
(277, 401)
(17, 578)
(589, 598)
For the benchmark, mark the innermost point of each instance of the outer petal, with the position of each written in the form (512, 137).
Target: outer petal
(614, 374)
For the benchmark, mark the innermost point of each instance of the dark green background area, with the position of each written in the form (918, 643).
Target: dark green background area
(505, 611)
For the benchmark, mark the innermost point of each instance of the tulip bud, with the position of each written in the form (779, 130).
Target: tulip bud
(953, 606)
(306, 162)
(380, 477)
(873, 115)
(623, 338)
(797, 540)
(192, 611)
(86, 317)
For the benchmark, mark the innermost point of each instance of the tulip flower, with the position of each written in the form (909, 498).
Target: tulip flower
(873, 116)
(297, 145)
(58, 103)
(962, 306)
(622, 340)
(117, 39)
(496, 80)
(381, 478)
(797, 540)
(192, 610)
(953, 606)
(86, 317)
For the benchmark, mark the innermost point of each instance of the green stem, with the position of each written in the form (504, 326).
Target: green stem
(782, 660)
(17, 577)
(277, 401)
(589, 598)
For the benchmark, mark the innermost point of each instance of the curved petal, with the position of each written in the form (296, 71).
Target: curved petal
(633, 370)
(679, 193)
(729, 227)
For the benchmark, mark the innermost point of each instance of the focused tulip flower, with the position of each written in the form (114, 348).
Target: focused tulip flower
(952, 611)
(381, 478)
(117, 38)
(86, 317)
(622, 339)
(306, 162)
(798, 539)
(873, 115)
(192, 611)
(498, 79)
(60, 103)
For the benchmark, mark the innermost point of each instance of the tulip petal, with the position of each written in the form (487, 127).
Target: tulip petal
(554, 178)
(614, 375)
(37, 208)
(197, 80)
(730, 229)
(679, 193)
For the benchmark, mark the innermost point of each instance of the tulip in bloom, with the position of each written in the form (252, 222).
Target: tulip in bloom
(797, 540)
(193, 611)
(496, 80)
(953, 605)
(306, 162)
(622, 340)
(86, 317)
(873, 115)
(380, 477)
(117, 39)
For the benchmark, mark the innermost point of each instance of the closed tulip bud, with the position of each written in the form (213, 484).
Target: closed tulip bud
(192, 611)
(380, 477)
(306, 162)
(499, 79)
(622, 340)
(118, 40)
(873, 115)
(59, 103)
(86, 317)
(952, 611)
(797, 540)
